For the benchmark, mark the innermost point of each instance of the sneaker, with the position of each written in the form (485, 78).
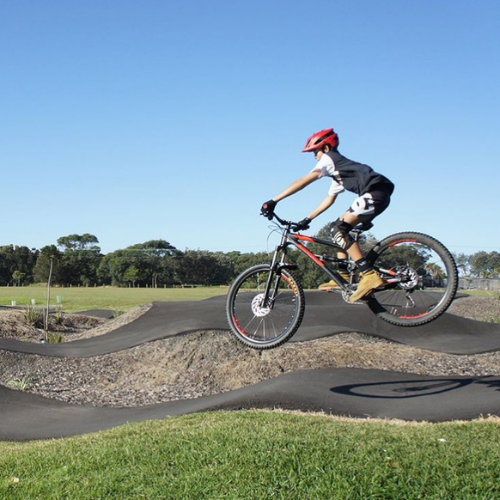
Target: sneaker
(332, 285)
(369, 281)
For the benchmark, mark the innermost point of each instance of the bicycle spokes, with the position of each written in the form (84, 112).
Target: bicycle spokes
(420, 277)
(265, 322)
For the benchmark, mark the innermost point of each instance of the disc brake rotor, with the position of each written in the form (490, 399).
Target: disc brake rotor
(257, 307)
(410, 279)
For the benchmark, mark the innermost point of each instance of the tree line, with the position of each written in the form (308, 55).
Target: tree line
(77, 260)
(479, 265)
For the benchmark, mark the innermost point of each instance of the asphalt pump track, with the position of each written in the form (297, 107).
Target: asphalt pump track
(344, 392)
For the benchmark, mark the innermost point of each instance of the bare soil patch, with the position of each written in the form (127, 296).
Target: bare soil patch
(206, 363)
(477, 308)
(14, 325)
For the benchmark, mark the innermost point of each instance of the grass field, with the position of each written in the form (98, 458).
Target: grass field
(122, 299)
(259, 455)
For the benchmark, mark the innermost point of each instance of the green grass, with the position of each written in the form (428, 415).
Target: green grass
(122, 299)
(260, 455)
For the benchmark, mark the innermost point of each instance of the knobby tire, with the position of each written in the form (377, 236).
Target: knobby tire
(430, 302)
(257, 326)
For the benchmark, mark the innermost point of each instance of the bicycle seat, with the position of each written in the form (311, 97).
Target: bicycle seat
(361, 227)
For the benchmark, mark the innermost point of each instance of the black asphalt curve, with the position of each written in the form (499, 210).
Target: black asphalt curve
(346, 392)
(164, 319)
(343, 392)
(326, 315)
(98, 313)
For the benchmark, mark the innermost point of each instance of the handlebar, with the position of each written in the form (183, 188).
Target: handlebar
(283, 222)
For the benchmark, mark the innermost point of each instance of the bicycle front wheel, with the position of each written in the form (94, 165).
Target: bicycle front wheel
(265, 325)
(421, 279)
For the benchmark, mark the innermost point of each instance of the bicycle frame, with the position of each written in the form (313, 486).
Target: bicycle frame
(288, 239)
(279, 259)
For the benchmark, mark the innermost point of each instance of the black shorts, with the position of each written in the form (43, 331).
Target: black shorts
(371, 204)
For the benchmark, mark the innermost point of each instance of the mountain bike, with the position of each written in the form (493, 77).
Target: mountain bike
(266, 302)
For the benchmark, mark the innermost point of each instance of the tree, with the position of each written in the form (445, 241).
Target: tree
(154, 261)
(18, 277)
(131, 275)
(81, 259)
(113, 267)
(484, 264)
(17, 258)
(434, 270)
(478, 264)
(463, 263)
(43, 264)
(201, 267)
(241, 261)
(401, 255)
(494, 262)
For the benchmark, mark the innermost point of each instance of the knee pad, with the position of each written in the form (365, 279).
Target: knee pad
(339, 232)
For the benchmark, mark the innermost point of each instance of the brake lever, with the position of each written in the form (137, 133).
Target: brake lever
(274, 215)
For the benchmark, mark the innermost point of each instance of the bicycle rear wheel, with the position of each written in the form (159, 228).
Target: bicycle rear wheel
(259, 325)
(421, 279)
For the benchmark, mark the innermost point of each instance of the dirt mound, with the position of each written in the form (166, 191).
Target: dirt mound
(27, 325)
(477, 308)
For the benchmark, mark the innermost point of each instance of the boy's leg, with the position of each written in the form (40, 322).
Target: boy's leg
(341, 237)
(343, 270)
(364, 209)
(370, 280)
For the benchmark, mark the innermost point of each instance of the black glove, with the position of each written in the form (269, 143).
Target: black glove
(302, 225)
(267, 209)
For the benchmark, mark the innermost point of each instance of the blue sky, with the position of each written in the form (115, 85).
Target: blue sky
(166, 119)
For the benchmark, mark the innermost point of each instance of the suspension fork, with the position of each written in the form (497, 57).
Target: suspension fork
(273, 280)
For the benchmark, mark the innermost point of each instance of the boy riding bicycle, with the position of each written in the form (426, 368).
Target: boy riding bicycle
(374, 195)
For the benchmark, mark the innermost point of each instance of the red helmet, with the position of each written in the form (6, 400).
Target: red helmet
(319, 139)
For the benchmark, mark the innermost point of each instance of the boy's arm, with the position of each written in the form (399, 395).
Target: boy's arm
(267, 208)
(324, 205)
(298, 185)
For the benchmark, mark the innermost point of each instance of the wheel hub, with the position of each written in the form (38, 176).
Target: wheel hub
(409, 279)
(257, 307)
